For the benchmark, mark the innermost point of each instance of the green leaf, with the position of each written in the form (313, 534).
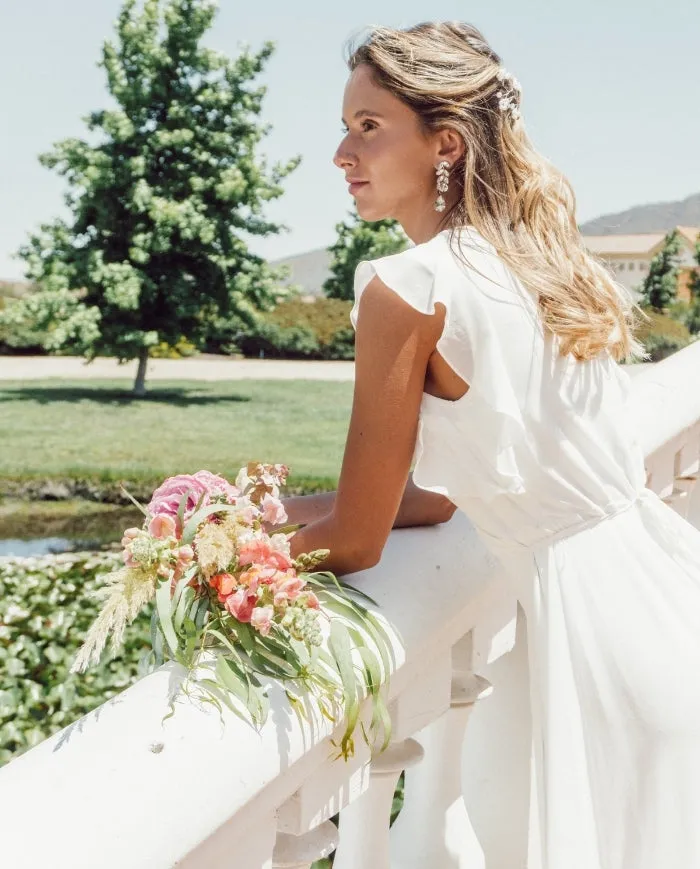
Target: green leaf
(133, 500)
(163, 605)
(339, 642)
(185, 601)
(225, 641)
(180, 519)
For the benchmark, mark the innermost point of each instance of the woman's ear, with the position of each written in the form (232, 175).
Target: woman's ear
(450, 145)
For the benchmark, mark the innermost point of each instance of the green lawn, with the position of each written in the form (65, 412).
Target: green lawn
(74, 429)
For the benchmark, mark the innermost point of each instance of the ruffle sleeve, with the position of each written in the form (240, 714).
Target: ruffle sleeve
(410, 274)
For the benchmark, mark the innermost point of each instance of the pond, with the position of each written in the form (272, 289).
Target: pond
(43, 527)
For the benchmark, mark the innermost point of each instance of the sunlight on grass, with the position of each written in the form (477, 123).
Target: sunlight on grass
(71, 429)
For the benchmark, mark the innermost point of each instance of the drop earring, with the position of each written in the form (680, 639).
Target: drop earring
(443, 182)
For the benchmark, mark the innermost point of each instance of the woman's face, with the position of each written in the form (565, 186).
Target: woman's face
(389, 160)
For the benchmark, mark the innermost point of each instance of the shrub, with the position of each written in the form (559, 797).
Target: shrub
(182, 349)
(46, 608)
(662, 335)
(303, 330)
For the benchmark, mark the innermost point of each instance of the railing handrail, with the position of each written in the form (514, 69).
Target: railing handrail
(665, 398)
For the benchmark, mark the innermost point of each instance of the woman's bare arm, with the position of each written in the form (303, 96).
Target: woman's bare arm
(418, 507)
(393, 344)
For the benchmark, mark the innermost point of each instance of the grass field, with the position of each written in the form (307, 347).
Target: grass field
(63, 429)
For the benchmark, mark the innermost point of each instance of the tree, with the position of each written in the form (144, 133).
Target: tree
(694, 283)
(693, 318)
(359, 240)
(160, 197)
(660, 286)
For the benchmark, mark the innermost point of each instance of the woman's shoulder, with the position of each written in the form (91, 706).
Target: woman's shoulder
(425, 273)
(426, 257)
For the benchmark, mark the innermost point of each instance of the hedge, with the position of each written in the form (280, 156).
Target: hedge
(662, 335)
(302, 330)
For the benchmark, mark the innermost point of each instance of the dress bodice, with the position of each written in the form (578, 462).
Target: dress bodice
(540, 442)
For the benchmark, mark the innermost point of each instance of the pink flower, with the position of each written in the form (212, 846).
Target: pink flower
(246, 511)
(129, 535)
(259, 550)
(185, 555)
(162, 525)
(241, 604)
(272, 510)
(258, 573)
(310, 599)
(217, 486)
(261, 619)
(166, 498)
(129, 560)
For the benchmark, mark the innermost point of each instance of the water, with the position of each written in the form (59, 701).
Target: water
(41, 529)
(35, 546)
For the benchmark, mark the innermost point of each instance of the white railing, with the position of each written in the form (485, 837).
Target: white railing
(121, 789)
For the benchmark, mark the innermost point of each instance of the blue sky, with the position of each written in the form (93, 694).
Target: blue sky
(609, 95)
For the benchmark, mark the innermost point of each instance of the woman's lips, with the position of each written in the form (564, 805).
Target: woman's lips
(354, 186)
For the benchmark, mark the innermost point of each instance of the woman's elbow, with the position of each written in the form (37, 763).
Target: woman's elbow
(365, 558)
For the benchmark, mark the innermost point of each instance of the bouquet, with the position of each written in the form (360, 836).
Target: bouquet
(236, 610)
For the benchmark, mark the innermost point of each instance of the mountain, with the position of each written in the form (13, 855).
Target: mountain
(655, 217)
(309, 270)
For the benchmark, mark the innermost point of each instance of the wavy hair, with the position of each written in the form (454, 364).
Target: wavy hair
(516, 199)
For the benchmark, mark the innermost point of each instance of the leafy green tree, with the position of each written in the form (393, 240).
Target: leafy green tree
(660, 286)
(693, 318)
(694, 283)
(160, 196)
(359, 240)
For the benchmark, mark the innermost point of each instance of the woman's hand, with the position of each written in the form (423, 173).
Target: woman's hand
(421, 507)
(418, 507)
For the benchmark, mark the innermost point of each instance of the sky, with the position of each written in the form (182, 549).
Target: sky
(609, 96)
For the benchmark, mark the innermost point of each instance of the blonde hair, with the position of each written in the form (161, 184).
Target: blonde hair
(519, 202)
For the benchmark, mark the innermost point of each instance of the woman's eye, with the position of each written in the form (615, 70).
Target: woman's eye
(365, 126)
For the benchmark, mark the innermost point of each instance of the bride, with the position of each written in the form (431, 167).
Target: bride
(488, 353)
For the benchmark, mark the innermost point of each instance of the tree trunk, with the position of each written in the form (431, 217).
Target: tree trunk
(140, 382)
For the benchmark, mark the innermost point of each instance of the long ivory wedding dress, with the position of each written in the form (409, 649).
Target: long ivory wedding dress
(540, 455)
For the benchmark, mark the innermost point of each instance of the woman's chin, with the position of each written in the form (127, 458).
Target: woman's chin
(368, 211)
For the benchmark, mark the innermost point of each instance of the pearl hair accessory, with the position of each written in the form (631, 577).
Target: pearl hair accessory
(509, 97)
(443, 182)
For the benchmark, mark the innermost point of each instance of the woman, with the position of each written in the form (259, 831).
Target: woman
(489, 352)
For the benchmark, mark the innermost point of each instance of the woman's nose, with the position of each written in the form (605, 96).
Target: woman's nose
(342, 157)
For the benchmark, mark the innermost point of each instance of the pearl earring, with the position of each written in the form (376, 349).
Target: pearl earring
(443, 181)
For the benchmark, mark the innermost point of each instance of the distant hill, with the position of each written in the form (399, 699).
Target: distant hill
(309, 270)
(655, 217)
(14, 289)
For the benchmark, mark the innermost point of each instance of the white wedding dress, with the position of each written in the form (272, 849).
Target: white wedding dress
(540, 455)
